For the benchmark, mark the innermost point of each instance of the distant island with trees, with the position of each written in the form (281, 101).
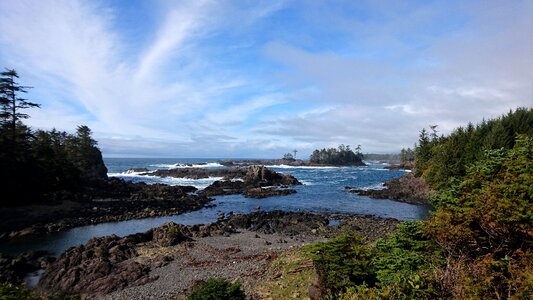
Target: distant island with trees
(340, 156)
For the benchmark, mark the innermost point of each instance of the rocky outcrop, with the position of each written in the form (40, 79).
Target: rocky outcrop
(224, 187)
(199, 173)
(171, 234)
(257, 182)
(257, 176)
(102, 265)
(119, 189)
(261, 192)
(13, 269)
(408, 188)
(109, 201)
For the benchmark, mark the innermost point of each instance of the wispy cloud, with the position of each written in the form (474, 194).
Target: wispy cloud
(260, 78)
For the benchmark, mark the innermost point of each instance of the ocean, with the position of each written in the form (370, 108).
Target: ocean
(323, 190)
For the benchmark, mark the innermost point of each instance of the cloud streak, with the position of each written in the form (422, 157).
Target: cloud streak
(224, 78)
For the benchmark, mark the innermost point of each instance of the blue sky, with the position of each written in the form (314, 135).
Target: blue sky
(261, 78)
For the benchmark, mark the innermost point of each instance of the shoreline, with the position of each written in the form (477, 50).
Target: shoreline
(45, 219)
(116, 200)
(169, 260)
(407, 189)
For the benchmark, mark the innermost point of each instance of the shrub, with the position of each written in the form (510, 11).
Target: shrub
(404, 263)
(342, 262)
(217, 289)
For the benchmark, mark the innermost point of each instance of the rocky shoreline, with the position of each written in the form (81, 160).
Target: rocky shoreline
(115, 200)
(408, 189)
(169, 260)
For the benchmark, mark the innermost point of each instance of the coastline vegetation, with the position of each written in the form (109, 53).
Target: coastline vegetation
(40, 166)
(478, 244)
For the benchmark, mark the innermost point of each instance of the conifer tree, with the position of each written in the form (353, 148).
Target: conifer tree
(12, 103)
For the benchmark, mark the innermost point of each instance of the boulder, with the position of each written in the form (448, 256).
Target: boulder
(171, 234)
(102, 265)
(263, 176)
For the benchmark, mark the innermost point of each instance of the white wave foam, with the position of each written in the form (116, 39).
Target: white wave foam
(305, 182)
(181, 165)
(150, 179)
(301, 167)
(130, 172)
(376, 186)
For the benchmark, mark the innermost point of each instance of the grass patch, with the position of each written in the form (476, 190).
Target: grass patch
(288, 277)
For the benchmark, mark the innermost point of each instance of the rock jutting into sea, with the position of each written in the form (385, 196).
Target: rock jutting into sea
(254, 181)
(407, 188)
(257, 182)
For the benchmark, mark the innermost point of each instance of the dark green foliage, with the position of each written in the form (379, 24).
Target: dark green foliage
(439, 159)
(492, 207)
(217, 289)
(342, 262)
(404, 262)
(485, 224)
(479, 242)
(39, 166)
(341, 156)
(400, 266)
(11, 103)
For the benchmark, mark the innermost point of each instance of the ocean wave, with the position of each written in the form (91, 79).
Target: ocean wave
(378, 169)
(375, 186)
(305, 182)
(151, 179)
(301, 167)
(182, 165)
(130, 173)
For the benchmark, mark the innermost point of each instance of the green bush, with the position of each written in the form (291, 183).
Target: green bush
(404, 263)
(342, 262)
(217, 289)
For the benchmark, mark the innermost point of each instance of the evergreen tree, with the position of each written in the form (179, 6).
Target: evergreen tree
(11, 102)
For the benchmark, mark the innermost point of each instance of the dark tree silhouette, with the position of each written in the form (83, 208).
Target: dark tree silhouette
(11, 102)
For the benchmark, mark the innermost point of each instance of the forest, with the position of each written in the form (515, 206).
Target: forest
(41, 166)
(478, 242)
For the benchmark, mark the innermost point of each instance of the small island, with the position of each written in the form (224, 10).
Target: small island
(343, 156)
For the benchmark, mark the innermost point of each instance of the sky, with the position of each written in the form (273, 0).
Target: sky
(257, 79)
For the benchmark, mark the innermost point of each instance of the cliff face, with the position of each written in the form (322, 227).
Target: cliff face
(95, 167)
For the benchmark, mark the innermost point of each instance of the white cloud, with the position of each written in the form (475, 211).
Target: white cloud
(377, 81)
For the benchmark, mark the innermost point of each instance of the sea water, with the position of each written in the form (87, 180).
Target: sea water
(323, 190)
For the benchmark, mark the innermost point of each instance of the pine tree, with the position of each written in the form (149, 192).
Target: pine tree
(12, 103)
